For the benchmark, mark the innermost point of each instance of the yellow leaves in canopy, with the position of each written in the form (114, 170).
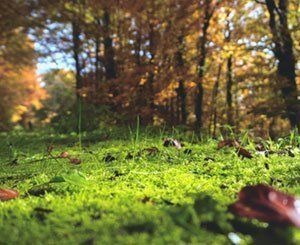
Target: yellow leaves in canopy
(166, 93)
(19, 110)
(143, 81)
(21, 92)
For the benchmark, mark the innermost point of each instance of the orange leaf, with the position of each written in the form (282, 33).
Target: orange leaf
(6, 195)
(64, 154)
(75, 161)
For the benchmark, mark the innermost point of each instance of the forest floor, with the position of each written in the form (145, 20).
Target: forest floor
(130, 189)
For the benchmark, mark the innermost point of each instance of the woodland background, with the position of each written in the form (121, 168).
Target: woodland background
(76, 65)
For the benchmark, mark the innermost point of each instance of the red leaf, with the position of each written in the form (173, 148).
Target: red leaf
(75, 161)
(244, 153)
(229, 143)
(6, 195)
(266, 204)
(64, 154)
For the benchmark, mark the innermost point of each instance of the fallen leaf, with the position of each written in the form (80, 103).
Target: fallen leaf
(75, 161)
(76, 178)
(172, 142)
(244, 153)
(6, 194)
(266, 204)
(64, 154)
(229, 143)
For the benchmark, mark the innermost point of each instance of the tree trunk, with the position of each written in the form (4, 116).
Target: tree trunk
(214, 101)
(181, 93)
(76, 54)
(137, 48)
(199, 88)
(110, 66)
(283, 51)
(201, 64)
(97, 54)
(78, 67)
(237, 109)
(177, 110)
(229, 92)
(150, 80)
(172, 111)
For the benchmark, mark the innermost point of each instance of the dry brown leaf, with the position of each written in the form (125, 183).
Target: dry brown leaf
(264, 203)
(64, 154)
(244, 153)
(75, 161)
(6, 194)
(229, 143)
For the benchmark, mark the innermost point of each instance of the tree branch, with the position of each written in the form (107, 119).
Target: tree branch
(260, 2)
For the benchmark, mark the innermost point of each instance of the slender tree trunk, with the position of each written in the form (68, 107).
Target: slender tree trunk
(283, 51)
(76, 54)
(137, 49)
(109, 60)
(198, 105)
(78, 67)
(97, 61)
(201, 65)
(177, 110)
(229, 84)
(181, 93)
(214, 101)
(97, 54)
(172, 111)
(237, 109)
(150, 80)
(199, 87)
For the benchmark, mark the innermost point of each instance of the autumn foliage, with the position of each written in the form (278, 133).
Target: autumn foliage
(204, 64)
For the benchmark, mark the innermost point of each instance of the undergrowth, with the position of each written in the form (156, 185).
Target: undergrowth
(122, 193)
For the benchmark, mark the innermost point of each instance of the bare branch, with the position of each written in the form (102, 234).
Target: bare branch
(260, 1)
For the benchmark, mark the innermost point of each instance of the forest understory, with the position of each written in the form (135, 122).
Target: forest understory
(139, 188)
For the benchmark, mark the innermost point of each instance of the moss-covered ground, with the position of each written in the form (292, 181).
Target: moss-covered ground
(123, 194)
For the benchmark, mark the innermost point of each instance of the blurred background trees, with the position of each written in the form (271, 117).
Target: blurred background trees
(204, 64)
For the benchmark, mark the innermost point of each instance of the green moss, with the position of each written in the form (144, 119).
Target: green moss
(162, 198)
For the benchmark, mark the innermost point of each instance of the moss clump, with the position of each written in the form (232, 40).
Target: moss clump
(169, 196)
